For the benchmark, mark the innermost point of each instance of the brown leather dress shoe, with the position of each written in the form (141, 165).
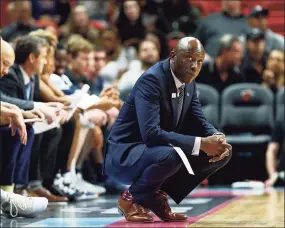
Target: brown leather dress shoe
(133, 212)
(163, 210)
(43, 192)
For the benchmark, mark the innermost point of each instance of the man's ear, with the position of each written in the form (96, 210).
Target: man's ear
(32, 58)
(172, 55)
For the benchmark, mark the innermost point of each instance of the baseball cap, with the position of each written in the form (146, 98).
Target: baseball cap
(257, 11)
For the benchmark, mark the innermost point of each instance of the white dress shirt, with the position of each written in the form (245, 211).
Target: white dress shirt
(197, 144)
(27, 80)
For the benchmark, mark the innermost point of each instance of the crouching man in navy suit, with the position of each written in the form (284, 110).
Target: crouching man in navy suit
(163, 111)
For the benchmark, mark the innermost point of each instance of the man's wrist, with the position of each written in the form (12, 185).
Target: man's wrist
(37, 105)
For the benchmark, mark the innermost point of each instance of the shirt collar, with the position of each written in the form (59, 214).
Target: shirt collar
(26, 77)
(178, 83)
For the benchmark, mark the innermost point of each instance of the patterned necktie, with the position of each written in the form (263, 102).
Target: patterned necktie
(180, 102)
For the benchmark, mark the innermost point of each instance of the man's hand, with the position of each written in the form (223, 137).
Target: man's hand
(57, 105)
(110, 92)
(97, 116)
(17, 122)
(64, 115)
(32, 114)
(215, 146)
(49, 112)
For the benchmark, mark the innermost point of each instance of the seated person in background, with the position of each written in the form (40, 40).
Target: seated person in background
(95, 81)
(148, 55)
(273, 75)
(275, 154)
(229, 21)
(118, 57)
(258, 18)
(15, 149)
(45, 85)
(255, 57)
(224, 70)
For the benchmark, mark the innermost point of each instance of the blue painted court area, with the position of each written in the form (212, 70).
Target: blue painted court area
(75, 222)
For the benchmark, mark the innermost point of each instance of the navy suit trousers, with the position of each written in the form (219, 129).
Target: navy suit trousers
(160, 167)
(15, 157)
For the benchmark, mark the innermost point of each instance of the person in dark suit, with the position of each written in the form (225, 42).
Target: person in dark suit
(163, 111)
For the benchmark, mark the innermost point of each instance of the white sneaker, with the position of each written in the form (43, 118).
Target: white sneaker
(90, 187)
(16, 205)
(70, 179)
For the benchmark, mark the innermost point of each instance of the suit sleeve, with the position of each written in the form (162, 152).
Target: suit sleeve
(147, 103)
(9, 93)
(198, 116)
(22, 104)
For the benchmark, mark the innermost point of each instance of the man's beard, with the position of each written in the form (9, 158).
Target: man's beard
(147, 64)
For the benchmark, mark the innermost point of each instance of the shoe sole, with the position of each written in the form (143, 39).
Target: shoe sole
(170, 220)
(121, 212)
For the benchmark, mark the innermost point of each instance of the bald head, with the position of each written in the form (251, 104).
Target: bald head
(187, 58)
(189, 43)
(7, 57)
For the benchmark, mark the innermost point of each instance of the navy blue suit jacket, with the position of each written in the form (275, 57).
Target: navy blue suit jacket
(148, 116)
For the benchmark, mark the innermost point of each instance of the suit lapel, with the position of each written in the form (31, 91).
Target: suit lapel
(20, 78)
(172, 91)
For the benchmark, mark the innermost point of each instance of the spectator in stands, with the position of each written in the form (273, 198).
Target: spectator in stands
(229, 21)
(157, 27)
(11, 14)
(181, 15)
(258, 18)
(15, 150)
(224, 70)
(275, 154)
(118, 57)
(21, 87)
(129, 24)
(273, 76)
(59, 10)
(147, 56)
(255, 56)
(24, 21)
(79, 23)
(154, 18)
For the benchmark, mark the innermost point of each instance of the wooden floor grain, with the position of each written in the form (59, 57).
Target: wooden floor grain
(265, 210)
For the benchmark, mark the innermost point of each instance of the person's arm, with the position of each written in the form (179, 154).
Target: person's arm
(105, 104)
(48, 95)
(271, 159)
(45, 79)
(22, 104)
